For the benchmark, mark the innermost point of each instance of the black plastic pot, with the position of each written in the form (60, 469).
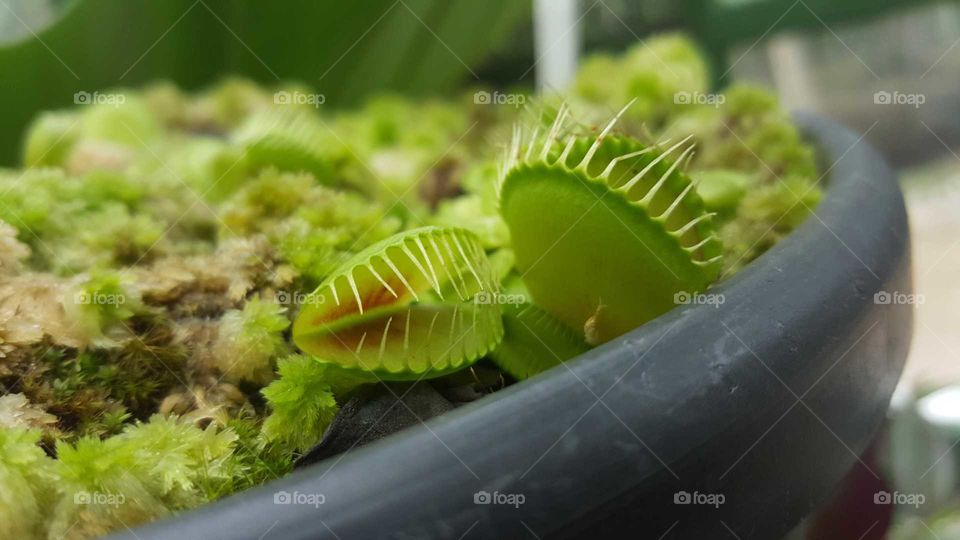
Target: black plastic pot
(765, 400)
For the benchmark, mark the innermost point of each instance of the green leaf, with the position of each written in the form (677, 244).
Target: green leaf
(406, 307)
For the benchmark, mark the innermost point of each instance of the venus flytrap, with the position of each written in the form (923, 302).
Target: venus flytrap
(289, 140)
(605, 229)
(534, 341)
(404, 309)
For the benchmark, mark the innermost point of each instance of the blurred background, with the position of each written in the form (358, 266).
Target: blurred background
(887, 68)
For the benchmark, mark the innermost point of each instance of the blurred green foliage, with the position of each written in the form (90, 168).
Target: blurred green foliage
(343, 49)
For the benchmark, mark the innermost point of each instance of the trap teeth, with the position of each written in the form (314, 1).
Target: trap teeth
(596, 228)
(406, 308)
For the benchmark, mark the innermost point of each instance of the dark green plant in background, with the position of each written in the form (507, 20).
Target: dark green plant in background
(345, 50)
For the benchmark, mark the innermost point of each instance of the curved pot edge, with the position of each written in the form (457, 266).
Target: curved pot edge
(519, 440)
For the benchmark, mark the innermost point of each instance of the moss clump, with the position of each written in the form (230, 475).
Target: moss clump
(249, 340)
(301, 402)
(96, 486)
(653, 72)
(149, 470)
(29, 484)
(100, 305)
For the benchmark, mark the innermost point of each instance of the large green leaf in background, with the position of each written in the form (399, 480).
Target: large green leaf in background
(345, 48)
